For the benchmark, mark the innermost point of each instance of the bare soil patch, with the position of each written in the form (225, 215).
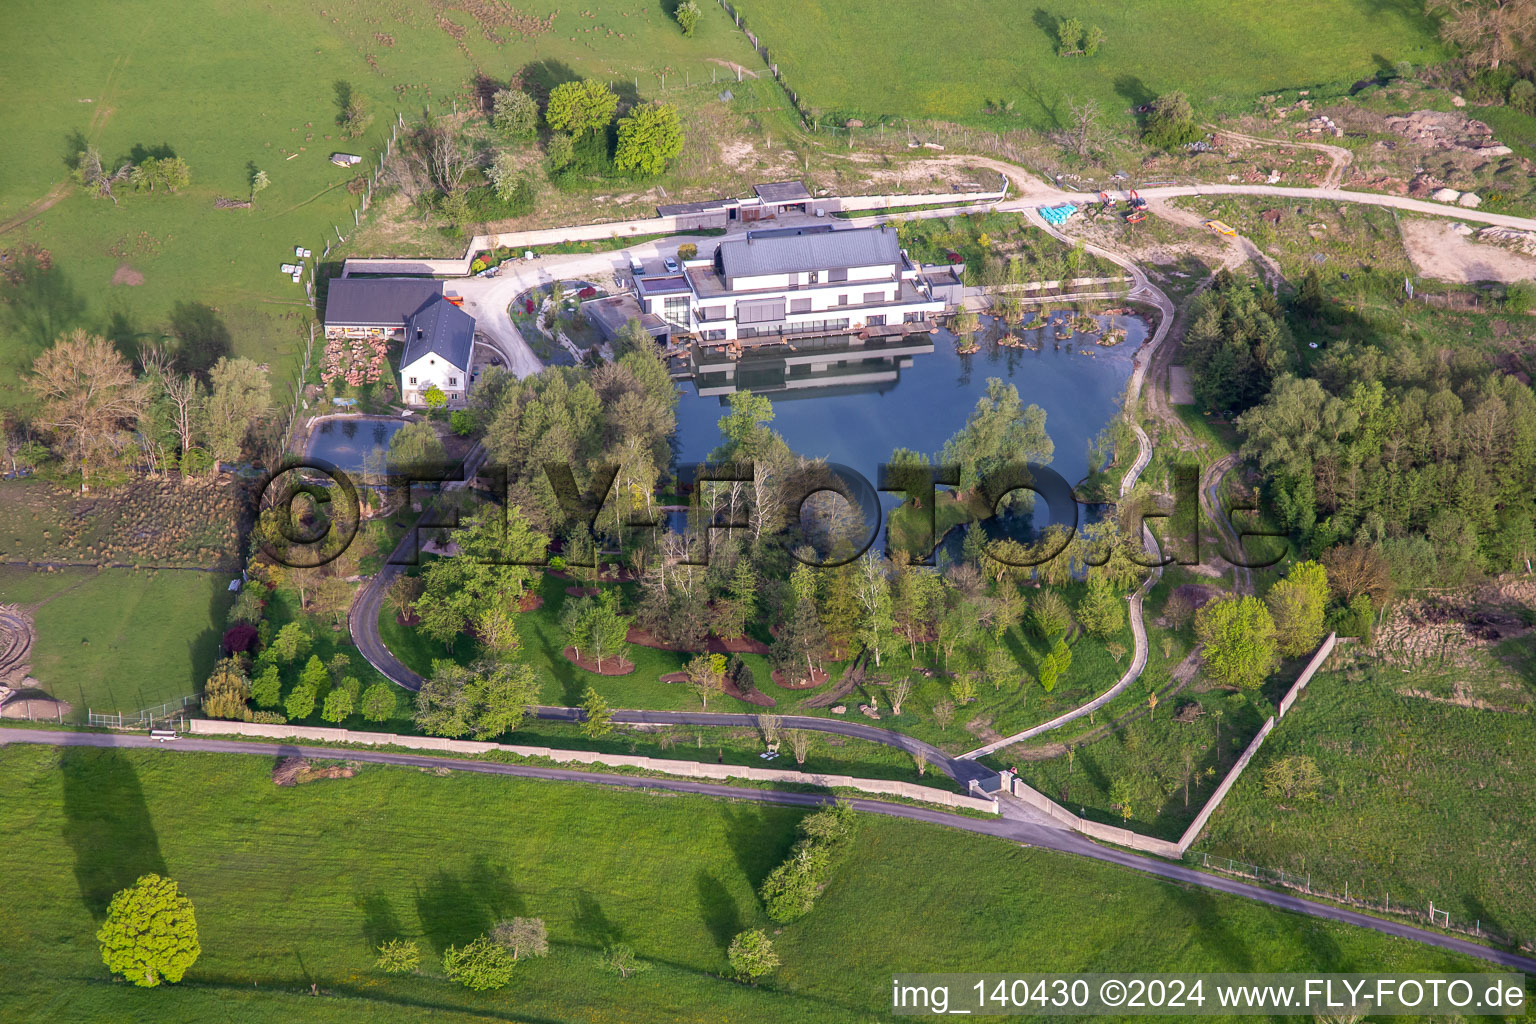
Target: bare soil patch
(610, 666)
(713, 645)
(17, 634)
(817, 677)
(582, 591)
(126, 275)
(1438, 251)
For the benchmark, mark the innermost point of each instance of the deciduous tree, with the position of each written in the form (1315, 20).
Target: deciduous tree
(89, 398)
(1238, 635)
(514, 114)
(751, 954)
(150, 934)
(651, 135)
(583, 106)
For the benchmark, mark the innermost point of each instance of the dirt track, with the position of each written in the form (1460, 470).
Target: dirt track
(1439, 252)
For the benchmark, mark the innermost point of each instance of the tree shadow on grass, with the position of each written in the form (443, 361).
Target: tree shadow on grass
(718, 908)
(1214, 931)
(380, 922)
(758, 837)
(106, 824)
(459, 908)
(593, 925)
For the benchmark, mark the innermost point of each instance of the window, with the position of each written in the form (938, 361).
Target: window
(813, 277)
(842, 300)
(876, 321)
(714, 335)
(674, 310)
(873, 297)
(453, 382)
(712, 313)
(799, 305)
(837, 276)
(413, 380)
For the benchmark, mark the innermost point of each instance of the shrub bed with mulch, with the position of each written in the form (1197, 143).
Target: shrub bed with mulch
(610, 666)
(818, 677)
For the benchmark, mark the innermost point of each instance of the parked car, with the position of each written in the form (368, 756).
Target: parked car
(671, 265)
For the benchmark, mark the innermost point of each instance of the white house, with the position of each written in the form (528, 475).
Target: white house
(439, 339)
(811, 280)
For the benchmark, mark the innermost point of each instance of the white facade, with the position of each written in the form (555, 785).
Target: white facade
(775, 284)
(417, 377)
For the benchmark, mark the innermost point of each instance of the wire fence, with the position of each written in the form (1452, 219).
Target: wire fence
(143, 718)
(1301, 881)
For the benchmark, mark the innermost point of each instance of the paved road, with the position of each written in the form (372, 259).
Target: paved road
(959, 769)
(1007, 827)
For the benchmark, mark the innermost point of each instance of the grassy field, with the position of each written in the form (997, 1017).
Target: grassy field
(293, 888)
(247, 85)
(1420, 799)
(958, 60)
(121, 639)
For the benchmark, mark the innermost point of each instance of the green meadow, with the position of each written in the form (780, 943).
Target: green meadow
(952, 61)
(235, 86)
(294, 887)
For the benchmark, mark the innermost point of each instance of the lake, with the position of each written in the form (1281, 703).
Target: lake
(857, 413)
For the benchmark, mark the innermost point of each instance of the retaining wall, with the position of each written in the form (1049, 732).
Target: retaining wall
(688, 769)
(1162, 847)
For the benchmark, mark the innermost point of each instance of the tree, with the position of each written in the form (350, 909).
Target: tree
(379, 702)
(1069, 37)
(583, 106)
(89, 398)
(1238, 635)
(239, 396)
(706, 674)
(1298, 605)
(291, 643)
(267, 688)
(560, 150)
(597, 627)
(352, 115)
(800, 743)
(790, 889)
(1356, 569)
(434, 398)
(687, 15)
(1101, 611)
(226, 691)
(876, 625)
(599, 716)
(523, 937)
(259, 183)
(1000, 431)
(1122, 795)
(1049, 616)
(1082, 126)
(398, 956)
(480, 965)
(1171, 122)
(900, 691)
(687, 251)
(751, 955)
(482, 700)
(494, 567)
(338, 706)
(415, 450)
(621, 959)
(514, 114)
(944, 713)
(315, 675)
(150, 934)
(168, 172)
(1489, 33)
(1293, 777)
(1000, 667)
(300, 703)
(514, 186)
(649, 137)
(1092, 40)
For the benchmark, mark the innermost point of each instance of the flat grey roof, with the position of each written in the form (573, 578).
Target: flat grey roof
(757, 255)
(707, 206)
(669, 285)
(377, 301)
(442, 329)
(782, 192)
(610, 314)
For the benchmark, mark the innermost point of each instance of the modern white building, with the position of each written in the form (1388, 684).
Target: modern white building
(799, 281)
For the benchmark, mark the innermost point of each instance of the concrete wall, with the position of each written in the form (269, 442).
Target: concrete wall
(1162, 847)
(688, 769)
(850, 203)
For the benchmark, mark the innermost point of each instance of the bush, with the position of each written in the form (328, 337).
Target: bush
(1171, 122)
(751, 955)
(269, 718)
(300, 703)
(687, 251)
(239, 638)
(267, 688)
(462, 422)
(398, 956)
(620, 959)
(480, 965)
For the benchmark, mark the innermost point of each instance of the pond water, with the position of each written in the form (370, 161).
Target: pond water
(920, 401)
(347, 442)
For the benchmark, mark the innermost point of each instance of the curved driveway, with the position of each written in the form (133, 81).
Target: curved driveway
(1012, 829)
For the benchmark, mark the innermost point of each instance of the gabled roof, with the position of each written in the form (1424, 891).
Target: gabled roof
(760, 254)
(377, 301)
(439, 329)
